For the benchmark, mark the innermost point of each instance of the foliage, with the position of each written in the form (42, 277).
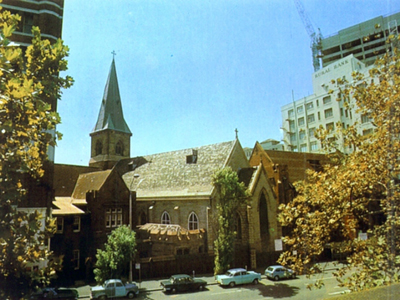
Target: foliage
(28, 83)
(119, 249)
(231, 194)
(356, 193)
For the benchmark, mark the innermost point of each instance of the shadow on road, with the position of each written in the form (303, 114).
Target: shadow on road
(279, 290)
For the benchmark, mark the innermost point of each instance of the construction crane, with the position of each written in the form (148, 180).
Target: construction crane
(315, 37)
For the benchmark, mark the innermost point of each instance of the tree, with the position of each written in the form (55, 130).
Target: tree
(231, 195)
(358, 192)
(29, 82)
(112, 262)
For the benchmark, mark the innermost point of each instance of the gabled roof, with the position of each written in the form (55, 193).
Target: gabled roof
(89, 182)
(169, 174)
(111, 115)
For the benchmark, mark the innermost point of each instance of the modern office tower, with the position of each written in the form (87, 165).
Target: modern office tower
(366, 41)
(301, 118)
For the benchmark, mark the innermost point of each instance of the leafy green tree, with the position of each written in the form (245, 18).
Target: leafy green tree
(231, 195)
(28, 83)
(358, 192)
(113, 261)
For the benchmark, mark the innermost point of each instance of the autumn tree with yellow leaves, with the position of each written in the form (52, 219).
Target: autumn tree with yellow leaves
(356, 193)
(29, 82)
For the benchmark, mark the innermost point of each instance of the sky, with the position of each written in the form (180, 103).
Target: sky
(190, 72)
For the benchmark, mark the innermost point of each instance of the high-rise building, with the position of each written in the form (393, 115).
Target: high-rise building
(47, 15)
(366, 40)
(325, 107)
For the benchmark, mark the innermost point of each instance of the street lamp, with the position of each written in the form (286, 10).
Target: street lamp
(130, 220)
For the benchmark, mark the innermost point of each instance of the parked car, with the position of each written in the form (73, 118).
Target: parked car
(279, 272)
(55, 293)
(114, 288)
(182, 283)
(238, 276)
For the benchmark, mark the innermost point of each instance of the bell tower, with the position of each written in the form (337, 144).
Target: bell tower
(111, 137)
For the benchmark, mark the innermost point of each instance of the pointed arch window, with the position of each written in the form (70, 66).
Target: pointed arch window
(165, 218)
(193, 223)
(99, 147)
(119, 148)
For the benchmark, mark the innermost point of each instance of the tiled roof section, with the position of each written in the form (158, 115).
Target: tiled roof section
(111, 115)
(298, 162)
(65, 177)
(169, 174)
(88, 182)
(64, 206)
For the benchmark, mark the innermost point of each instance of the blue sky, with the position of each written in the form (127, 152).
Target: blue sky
(192, 71)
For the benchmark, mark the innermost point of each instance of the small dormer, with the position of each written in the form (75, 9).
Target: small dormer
(192, 158)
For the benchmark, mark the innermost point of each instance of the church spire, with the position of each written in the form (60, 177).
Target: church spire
(110, 138)
(111, 115)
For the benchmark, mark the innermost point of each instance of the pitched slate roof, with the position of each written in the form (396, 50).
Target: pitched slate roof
(111, 115)
(168, 174)
(89, 181)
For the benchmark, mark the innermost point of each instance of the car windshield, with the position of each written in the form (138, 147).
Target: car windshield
(270, 269)
(230, 274)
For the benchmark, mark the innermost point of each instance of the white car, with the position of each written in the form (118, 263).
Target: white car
(279, 272)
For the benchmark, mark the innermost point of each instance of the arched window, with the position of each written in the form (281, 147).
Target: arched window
(165, 218)
(142, 218)
(238, 226)
(119, 148)
(193, 221)
(99, 147)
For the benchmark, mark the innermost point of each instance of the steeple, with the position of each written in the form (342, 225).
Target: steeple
(111, 135)
(111, 115)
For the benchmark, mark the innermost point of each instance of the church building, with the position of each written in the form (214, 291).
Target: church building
(168, 198)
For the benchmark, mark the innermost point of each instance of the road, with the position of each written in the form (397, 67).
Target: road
(286, 289)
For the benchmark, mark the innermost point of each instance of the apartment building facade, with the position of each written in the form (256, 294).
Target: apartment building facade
(325, 107)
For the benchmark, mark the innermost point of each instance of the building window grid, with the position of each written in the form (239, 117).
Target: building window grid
(314, 146)
(301, 121)
(77, 224)
(113, 217)
(328, 113)
(311, 118)
(165, 218)
(193, 222)
(327, 100)
(303, 148)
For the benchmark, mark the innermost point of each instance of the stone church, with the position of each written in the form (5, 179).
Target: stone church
(167, 198)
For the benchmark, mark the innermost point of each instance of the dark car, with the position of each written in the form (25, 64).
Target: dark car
(182, 283)
(279, 272)
(55, 293)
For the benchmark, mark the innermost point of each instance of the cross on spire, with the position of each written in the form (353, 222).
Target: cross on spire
(113, 53)
(236, 132)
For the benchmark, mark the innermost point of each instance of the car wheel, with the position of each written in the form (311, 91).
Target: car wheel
(131, 295)
(255, 281)
(201, 287)
(173, 291)
(232, 284)
(276, 278)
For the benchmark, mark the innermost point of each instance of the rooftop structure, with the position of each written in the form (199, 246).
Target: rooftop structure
(366, 40)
